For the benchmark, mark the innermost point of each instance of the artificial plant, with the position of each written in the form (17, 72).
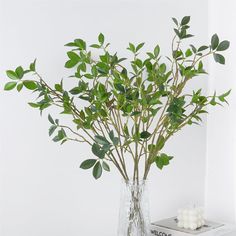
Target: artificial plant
(125, 109)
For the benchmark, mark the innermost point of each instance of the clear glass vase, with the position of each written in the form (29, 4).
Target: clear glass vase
(134, 217)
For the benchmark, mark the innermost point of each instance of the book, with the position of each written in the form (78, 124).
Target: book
(168, 227)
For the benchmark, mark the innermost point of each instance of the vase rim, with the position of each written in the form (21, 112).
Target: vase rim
(134, 182)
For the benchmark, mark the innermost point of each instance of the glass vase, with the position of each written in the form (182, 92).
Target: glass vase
(134, 217)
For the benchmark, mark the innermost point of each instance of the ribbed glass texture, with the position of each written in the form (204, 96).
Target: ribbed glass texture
(134, 217)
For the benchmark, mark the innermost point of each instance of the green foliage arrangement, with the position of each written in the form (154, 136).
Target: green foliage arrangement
(129, 109)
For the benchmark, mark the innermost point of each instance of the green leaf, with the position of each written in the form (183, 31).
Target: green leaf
(131, 48)
(126, 130)
(157, 50)
(57, 138)
(154, 101)
(34, 105)
(177, 54)
(29, 84)
(103, 68)
(105, 166)
(52, 129)
(105, 148)
(200, 66)
(20, 72)
(177, 33)
(69, 64)
(97, 170)
(114, 139)
(87, 164)
(58, 87)
(135, 113)
(214, 41)
(219, 58)
(175, 21)
(151, 147)
(101, 38)
(151, 56)
(188, 53)
(62, 133)
(193, 48)
(82, 67)
(60, 136)
(101, 140)
(224, 95)
(202, 48)
(50, 119)
(73, 56)
(63, 141)
(88, 76)
(74, 59)
(80, 43)
(12, 75)
(119, 87)
(19, 87)
(10, 85)
(75, 90)
(160, 143)
(145, 135)
(32, 65)
(159, 163)
(95, 46)
(185, 20)
(97, 151)
(71, 44)
(224, 45)
(139, 46)
(213, 100)
(163, 160)
(111, 135)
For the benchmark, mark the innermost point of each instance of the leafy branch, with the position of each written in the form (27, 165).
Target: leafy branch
(126, 114)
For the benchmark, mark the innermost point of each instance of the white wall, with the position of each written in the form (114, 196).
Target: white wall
(221, 127)
(43, 191)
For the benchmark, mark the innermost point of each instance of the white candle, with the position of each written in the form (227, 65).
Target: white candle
(190, 218)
